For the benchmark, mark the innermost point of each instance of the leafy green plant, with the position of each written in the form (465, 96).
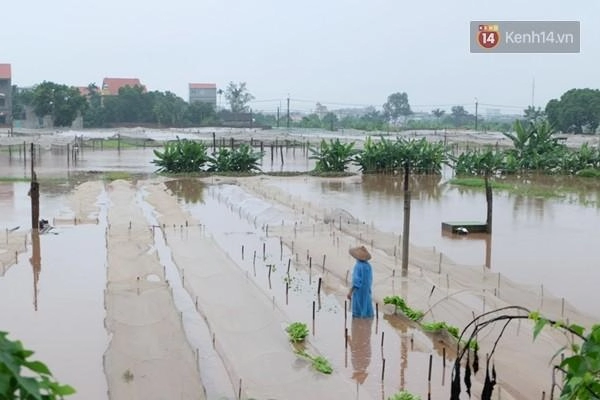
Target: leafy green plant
(22, 378)
(440, 326)
(332, 156)
(435, 327)
(180, 156)
(400, 304)
(581, 369)
(404, 395)
(297, 332)
(387, 156)
(319, 363)
(241, 159)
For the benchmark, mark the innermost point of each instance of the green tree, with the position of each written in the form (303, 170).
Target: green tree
(94, 115)
(238, 97)
(329, 121)
(438, 113)
(533, 114)
(310, 121)
(20, 99)
(397, 106)
(26, 379)
(199, 113)
(484, 163)
(61, 102)
(460, 117)
(577, 111)
(169, 109)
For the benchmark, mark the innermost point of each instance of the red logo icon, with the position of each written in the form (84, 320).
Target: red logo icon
(488, 36)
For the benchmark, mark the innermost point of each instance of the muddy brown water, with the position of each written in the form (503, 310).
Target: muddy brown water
(535, 241)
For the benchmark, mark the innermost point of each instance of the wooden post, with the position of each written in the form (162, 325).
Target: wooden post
(34, 192)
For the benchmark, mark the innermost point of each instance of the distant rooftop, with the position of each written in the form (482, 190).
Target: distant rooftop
(5, 72)
(203, 85)
(111, 86)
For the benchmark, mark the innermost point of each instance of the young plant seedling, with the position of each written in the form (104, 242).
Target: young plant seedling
(297, 332)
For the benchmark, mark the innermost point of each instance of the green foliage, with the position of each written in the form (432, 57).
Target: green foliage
(577, 111)
(404, 395)
(241, 159)
(589, 173)
(319, 363)
(479, 163)
(400, 304)
(181, 156)
(387, 156)
(396, 106)
(199, 113)
(23, 378)
(297, 332)
(478, 183)
(332, 156)
(61, 102)
(581, 379)
(238, 97)
(441, 326)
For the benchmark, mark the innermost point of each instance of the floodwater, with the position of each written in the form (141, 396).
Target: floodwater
(236, 219)
(52, 299)
(536, 241)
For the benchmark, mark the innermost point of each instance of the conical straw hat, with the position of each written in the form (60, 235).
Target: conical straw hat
(360, 253)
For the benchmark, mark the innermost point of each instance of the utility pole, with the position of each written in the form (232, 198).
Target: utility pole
(288, 111)
(406, 225)
(476, 107)
(34, 192)
(278, 116)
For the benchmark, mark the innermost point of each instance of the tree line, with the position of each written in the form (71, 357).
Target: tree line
(576, 111)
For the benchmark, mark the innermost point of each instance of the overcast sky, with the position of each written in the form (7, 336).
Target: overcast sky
(337, 52)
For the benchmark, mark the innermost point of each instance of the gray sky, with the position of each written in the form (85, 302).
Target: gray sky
(337, 52)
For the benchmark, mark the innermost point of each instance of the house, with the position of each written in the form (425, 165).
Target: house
(111, 86)
(204, 93)
(5, 95)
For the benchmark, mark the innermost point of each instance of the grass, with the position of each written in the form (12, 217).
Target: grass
(589, 173)
(479, 183)
(111, 144)
(516, 188)
(8, 179)
(115, 175)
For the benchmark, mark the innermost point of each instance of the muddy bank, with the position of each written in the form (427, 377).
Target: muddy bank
(148, 356)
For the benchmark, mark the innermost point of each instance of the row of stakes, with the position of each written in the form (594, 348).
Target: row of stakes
(345, 306)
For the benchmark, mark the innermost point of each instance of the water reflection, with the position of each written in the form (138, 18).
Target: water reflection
(36, 263)
(475, 237)
(420, 186)
(360, 346)
(188, 189)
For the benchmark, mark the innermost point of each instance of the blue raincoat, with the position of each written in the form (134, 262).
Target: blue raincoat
(362, 280)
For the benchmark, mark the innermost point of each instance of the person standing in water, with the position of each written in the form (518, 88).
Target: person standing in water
(362, 280)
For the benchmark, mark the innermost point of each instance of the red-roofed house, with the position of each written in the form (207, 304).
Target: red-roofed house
(111, 86)
(204, 93)
(5, 95)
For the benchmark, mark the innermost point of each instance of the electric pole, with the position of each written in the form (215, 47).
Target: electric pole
(476, 107)
(288, 111)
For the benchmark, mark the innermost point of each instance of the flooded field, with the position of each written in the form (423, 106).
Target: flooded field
(54, 297)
